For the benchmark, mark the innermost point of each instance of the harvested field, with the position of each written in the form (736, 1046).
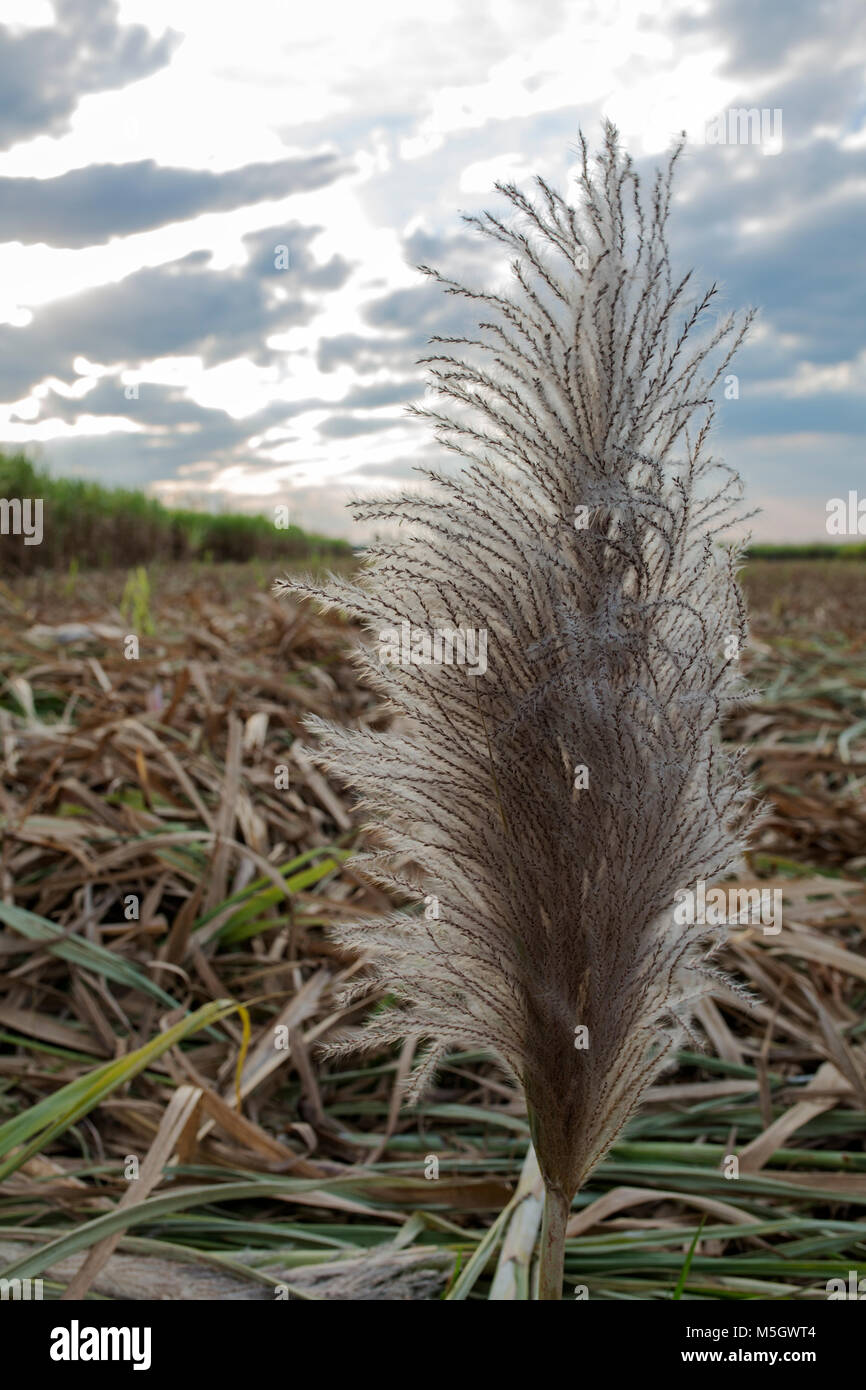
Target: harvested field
(168, 845)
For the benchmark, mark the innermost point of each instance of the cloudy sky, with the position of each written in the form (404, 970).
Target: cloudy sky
(210, 219)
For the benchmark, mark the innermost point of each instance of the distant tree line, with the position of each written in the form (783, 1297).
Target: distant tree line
(83, 524)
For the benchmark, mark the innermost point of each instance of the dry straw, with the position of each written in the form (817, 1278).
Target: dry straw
(542, 805)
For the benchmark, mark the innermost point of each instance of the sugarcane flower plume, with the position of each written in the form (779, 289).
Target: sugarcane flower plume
(556, 626)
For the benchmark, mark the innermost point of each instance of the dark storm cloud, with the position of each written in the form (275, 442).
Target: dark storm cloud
(364, 354)
(44, 72)
(208, 430)
(782, 232)
(347, 426)
(182, 308)
(827, 413)
(415, 314)
(789, 241)
(417, 309)
(760, 38)
(791, 271)
(178, 433)
(135, 460)
(176, 309)
(264, 261)
(164, 407)
(89, 206)
(729, 186)
(387, 393)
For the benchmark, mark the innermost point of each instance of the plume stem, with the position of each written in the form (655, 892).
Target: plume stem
(552, 1258)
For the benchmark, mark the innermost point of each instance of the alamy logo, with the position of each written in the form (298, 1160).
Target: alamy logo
(854, 1289)
(746, 125)
(721, 907)
(76, 1343)
(445, 646)
(21, 1289)
(846, 516)
(22, 516)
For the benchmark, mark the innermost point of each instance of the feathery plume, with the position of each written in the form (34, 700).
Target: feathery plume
(557, 628)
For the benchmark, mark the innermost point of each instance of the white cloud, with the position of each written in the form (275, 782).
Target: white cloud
(484, 173)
